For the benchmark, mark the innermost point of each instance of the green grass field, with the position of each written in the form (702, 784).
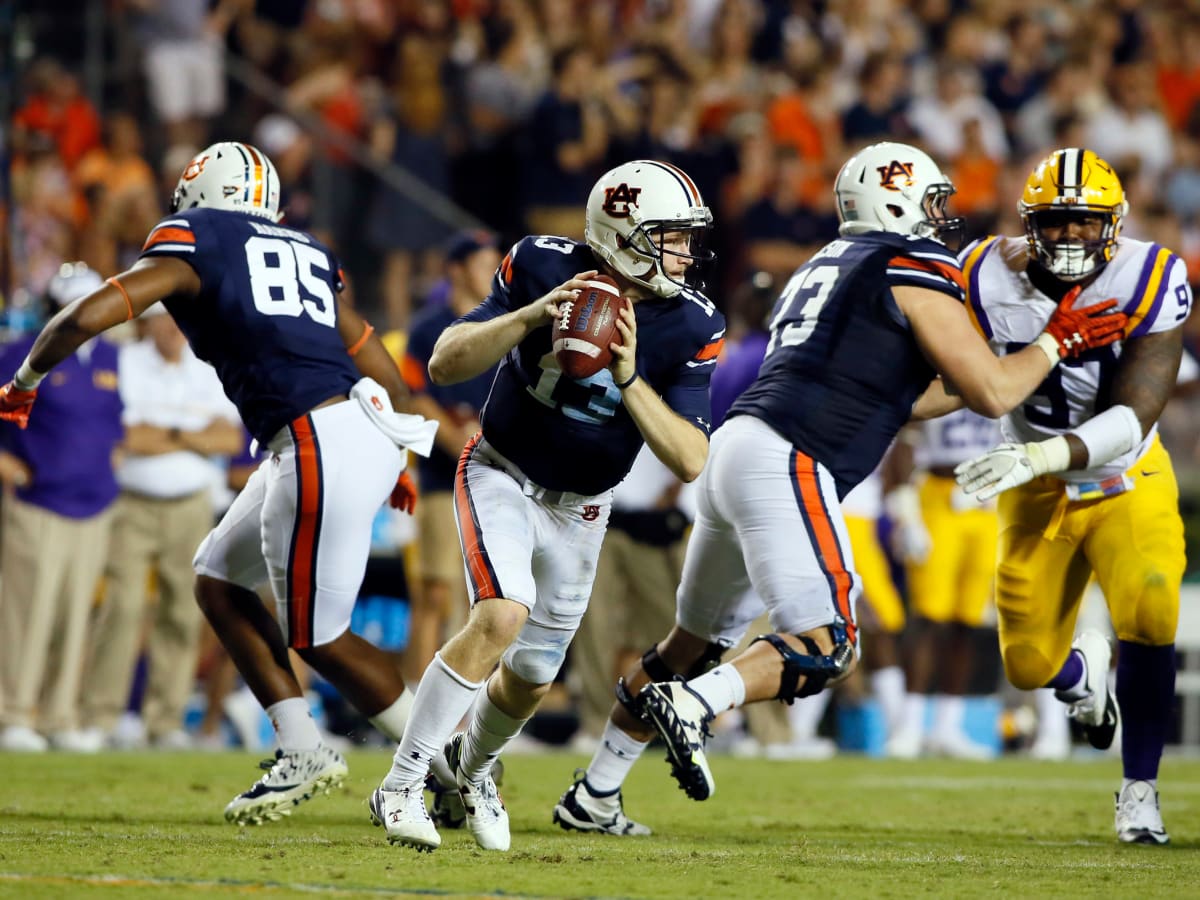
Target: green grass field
(150, 825)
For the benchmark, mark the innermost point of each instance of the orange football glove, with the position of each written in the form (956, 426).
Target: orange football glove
(404, 494)
(16, 404)
(1077, 330)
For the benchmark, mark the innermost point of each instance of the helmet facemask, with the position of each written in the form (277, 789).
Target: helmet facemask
(937, 225)
(647, 241)
(1071, 258)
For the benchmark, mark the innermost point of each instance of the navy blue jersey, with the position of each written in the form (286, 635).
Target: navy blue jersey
(575, 434)
(462, 401)
(843, 369)
(266, 315)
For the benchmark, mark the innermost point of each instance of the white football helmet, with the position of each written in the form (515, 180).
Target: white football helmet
(897, 188)
(231, 176)
(629, 210)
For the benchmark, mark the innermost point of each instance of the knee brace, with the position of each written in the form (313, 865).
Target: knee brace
(818, 669)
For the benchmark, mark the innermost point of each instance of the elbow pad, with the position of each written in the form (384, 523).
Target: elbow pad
(1110, 434)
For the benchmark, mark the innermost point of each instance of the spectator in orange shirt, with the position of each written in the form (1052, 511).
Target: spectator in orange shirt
(56, 107)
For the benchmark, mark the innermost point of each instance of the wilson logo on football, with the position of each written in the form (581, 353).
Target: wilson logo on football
(893, 172)
(195, 167)
(617, 200)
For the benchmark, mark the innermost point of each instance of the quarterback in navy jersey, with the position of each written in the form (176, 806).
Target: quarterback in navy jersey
(316, 389)
(533, 489)
(857, 336)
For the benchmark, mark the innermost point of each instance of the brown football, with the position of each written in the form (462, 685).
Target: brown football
(587, 326)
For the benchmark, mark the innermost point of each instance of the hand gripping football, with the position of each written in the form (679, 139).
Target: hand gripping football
(587, 326)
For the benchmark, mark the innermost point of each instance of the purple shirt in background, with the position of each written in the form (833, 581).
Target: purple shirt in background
(736, 370)
(73, 429)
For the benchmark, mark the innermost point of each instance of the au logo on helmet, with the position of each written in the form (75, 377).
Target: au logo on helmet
(195, 167)
(894, 170)
(622, 194)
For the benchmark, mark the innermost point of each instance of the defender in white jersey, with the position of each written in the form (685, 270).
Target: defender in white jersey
(1085, 485)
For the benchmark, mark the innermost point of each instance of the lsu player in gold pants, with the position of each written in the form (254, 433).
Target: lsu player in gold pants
(1084, 484)
(948, 544)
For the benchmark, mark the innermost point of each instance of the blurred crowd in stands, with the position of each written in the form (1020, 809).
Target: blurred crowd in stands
(505, 111)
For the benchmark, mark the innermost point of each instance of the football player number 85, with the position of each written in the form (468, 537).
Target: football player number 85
(284, 283)
(813, 287)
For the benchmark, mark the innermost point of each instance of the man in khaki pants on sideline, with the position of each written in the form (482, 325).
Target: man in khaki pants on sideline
(55, 532)
(176, 416)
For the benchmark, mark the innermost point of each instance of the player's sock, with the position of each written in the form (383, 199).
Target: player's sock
(392, 720)
(1145, 691)
(914, 714)
(613, 760)
(441, 701)
(721, 689)
(805, 715)
(1052, 722)
(948, 711)
(294, 725)
(888, 686)
(1071, 680)
(490, 729)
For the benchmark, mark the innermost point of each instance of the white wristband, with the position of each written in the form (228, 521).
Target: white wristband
(27, 377)
(1110, 434)
(1049, 346)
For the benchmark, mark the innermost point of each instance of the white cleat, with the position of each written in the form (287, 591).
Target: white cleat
(1097, 712)
(955, 745)
(402, 814)
(291, 779)
(904, 744)
(681, 719)
(1138, 818)
(487, 819)
(578, 809)
(23, 739)
(1054, 749)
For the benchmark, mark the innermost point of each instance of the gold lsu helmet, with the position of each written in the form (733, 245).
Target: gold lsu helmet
(1067, 185)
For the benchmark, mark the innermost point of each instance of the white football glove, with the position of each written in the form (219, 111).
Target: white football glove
(910, 538)
(1009, 465)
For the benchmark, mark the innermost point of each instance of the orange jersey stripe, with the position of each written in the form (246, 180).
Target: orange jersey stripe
(303, 556)
(412, 370)
(827, 542)
(710, 351)
(506, 269)
(483, 584)
(947, 271)
(173, 235)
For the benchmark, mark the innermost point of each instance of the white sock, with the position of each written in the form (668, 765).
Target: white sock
(441, 701)
(914, 713)
(490, 730)
(392, 720)
(613, 760)
(888, 687)
(805, 715)
(294, 725)
(1052, 724)
(948, 711)
(721, 689)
